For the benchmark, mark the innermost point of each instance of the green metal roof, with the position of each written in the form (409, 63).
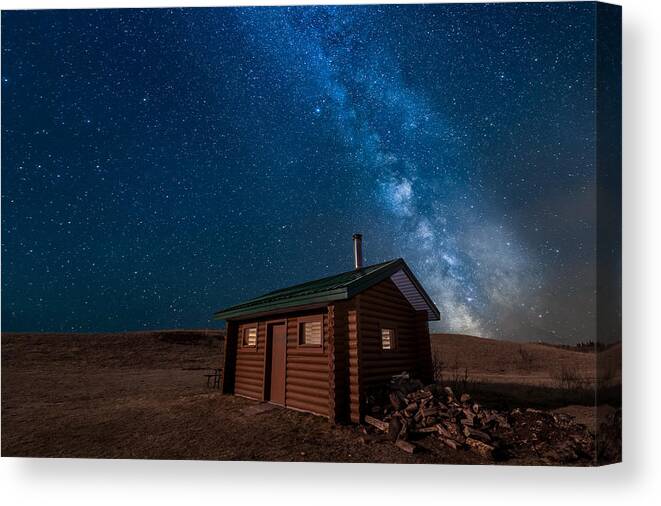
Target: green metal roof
(338, 287)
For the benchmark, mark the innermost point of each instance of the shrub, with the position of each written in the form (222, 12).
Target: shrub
(437, 367)
(459, 380)
(525, 359)
(570, 379)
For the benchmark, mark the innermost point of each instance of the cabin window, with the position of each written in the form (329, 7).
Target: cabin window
(310, 332)
(387, 338)
(249, 337)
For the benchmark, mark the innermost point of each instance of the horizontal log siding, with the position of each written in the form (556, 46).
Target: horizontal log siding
(383, 304)
(249, 377)
(307, 370)
(307, 385)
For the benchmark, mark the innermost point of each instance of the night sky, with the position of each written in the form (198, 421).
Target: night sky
(158, 165)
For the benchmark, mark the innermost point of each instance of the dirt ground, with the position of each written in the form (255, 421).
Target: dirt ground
(143, 395)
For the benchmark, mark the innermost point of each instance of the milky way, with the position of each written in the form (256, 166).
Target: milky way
(160, 164)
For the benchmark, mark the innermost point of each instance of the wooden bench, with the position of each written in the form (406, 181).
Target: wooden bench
(213, 378)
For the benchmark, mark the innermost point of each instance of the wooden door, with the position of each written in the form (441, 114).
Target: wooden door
(278, 363)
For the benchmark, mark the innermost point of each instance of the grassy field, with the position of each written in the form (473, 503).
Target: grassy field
(507, 374)
(143, 395)
(521, 363)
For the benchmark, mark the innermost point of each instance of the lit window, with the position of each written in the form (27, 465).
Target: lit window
(387, 338)
(310, 333)
(250, 336)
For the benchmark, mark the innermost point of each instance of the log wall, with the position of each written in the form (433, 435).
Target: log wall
(249, 376)
(383, 305)
(307, 368)
(307, 371)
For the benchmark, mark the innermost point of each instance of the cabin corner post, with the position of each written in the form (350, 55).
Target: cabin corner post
(338, 362)
(356, 391)
(332, 369)
(229, 357)
(426, 369)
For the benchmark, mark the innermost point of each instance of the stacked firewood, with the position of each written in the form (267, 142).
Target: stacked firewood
(457, 421)
(407, 411)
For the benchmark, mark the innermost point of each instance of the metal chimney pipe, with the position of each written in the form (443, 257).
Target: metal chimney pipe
(358, 250)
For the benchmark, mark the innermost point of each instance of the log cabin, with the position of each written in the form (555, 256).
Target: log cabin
(319, 346)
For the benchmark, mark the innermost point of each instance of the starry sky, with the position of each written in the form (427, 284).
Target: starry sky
(160, 164)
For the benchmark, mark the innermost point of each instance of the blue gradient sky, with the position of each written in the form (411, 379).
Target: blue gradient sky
(160, 164)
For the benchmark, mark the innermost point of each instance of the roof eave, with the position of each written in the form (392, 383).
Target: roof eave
(425, 295)
(230, 313)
